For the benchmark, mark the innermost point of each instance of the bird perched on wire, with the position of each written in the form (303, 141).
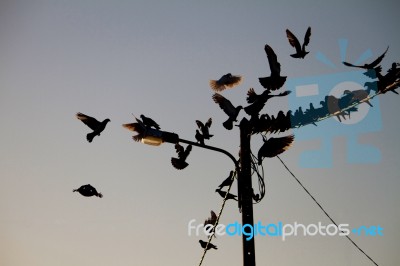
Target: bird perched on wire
(358, 96)
(88, 191)
(180, 162)
(373, 65)
(227, 81)
(224, 193)
(228, 181)
(93, 124)
(294, 42)
(148, 122)
(203, 244)
(212, 220)
(138, 127)
(228, 108)
(273, 147)
(275, 80)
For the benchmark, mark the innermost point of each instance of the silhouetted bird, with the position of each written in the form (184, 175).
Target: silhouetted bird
(88, 191)
(259, 100)
(211, 220)
(228, 181)
(223, 194)
(358, 96)
(225, 82)
(204, 245)
(370, 65)
(300, 50)
(180, 162)
(204, 128)
(138, 127)
(274, 146)
(199, 137)
(148, 122)
(228, 108)
(275, 80)
(332, 105)
(94, 125)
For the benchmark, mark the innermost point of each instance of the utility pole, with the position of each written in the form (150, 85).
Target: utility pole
(245, 191)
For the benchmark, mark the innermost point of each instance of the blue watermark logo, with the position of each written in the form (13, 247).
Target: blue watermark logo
(281, 230)
(309, 93)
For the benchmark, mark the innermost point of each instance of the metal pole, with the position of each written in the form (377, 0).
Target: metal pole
(245, 192)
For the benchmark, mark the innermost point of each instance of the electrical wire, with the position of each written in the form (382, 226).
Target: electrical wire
(325, 212)
(217, 220)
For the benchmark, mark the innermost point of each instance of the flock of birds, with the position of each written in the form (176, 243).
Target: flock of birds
(260, 123)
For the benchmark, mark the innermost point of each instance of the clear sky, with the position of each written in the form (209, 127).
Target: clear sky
(112, 59)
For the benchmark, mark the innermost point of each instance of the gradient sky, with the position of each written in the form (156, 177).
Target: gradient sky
(112, 59)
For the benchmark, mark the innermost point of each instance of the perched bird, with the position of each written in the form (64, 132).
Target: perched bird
(138, 127)
(228, 181)
(93, 124)
(148, 122)
(204, 128)
(358, 96)
(203, 244)
(227, 81)
(332, 105)
(199, 137)
(372, 65)
(180, 162)
(88, 191)
(274, 146)
(275, 80)
(228, 108)
(224, 193)
(294, 42)
(211, 220)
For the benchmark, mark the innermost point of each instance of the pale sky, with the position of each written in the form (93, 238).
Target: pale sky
(112, 59)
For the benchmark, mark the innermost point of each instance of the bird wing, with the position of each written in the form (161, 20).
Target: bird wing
(293, 40)
(274, 65)
(179, 149)
(88, 120)
(200, 124)
(349, 64)
(132, 126)
(224, 104)
(187, 151)
(307, 37)
(275, 146)
(378, 60)
(233, 81)
(251, 95)
(209, 122)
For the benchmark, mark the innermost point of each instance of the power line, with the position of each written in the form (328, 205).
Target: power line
(217, 221)
(319, 205)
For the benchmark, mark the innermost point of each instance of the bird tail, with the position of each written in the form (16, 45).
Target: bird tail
(215, 86)
(272, 83)
(75, 190)
(228, 124)
(99, 195)
(90, 136)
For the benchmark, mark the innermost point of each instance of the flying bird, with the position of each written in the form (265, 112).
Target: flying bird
(275, 80)
(88, 191)
(212, 220)
(228, 108)
(204, 128)
(259, 100)
(224, 193)
(199, 137)
(93, 124)
(273, 147)
(372, 65)
(180, 162)
(294, 42)
(138, 127)
(228, 181)
(227, 81)
(204, 245)
(148, 122)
